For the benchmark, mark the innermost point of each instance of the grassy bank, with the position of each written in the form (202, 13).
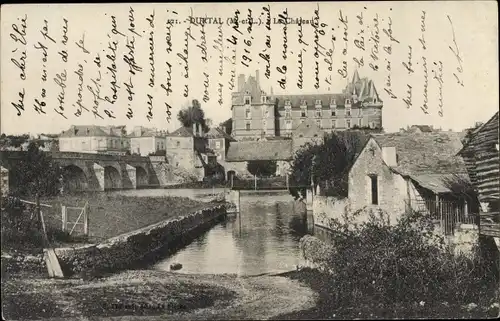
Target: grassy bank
(109, 215)
(155, 295)
(132, 293)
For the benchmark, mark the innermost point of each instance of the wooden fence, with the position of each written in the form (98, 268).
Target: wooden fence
(448, 213)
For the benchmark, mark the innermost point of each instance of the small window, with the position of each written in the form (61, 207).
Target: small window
(303, 113)
(333, 102)
(334, 113)
(348, 112)
(247, 126)
(348, 123)
(318, 113)
(247, 100)
(303, 102)
(288, 124)
(178, 143)
(288, 114)
(334, 123)
(288, 103)
(348, 101)
(248, 113)
(264, 99)
(374, 189)
(217, 144)
(318, 122)
(318, 101)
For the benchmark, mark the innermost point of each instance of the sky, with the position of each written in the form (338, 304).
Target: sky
(460, 55)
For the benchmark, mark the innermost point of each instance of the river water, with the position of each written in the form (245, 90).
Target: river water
(262, 238)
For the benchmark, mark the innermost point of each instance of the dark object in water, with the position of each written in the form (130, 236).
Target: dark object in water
(175, 266)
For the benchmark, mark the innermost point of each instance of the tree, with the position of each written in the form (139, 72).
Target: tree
(227, 125)
(328, 162)
(193, 114)
(36, 173)
(261, 167)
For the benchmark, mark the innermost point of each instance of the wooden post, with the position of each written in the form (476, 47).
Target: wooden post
(42, 222)
(255, 182)
(63, 217)
(287, 183)
(85, 221)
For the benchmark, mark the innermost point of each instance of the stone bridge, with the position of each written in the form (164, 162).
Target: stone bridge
(98, 172)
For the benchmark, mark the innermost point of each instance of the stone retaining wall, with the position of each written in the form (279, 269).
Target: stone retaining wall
(123, 250)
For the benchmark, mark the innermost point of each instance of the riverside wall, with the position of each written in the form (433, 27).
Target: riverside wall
(124, 250)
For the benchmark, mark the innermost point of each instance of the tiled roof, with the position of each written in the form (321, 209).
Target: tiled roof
(433, 182)
(260, 150)
(92, 130)
(425, 153)
(423, 128)
(182, 132)
(308, 128)
(218, 133)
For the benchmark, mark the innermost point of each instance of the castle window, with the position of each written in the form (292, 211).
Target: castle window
(288, 103)
(247, 126)
(348, 123)
(334, 112)
(318, 122)
(303, 112)
(288, 125)
(334, 123)
(333, 102)
(264, 99)
(318, 103)
(347, 101)
(318, 113)
(303, 103)
(348, 110)
(360, 122)
(247, 100)
(288, 113)
(217, 144)
(248, 113)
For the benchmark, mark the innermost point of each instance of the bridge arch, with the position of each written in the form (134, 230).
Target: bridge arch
(142, 177)
(112, 178)
(74, 179)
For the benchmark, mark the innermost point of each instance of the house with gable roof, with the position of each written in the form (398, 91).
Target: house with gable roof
(188, 148)
(144, 141)
(95, 139)
(396, 172)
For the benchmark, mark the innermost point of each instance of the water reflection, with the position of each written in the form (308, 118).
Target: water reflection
(263, 238)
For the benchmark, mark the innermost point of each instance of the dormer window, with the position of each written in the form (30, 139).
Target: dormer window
(333, 103)
(303, 103)
(288, 103)
(347, 101)
(317, 103)
(247, 100)
(288, 113)
(263, 99)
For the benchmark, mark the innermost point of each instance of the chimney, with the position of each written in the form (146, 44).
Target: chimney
(200, 132)
(223, 128)
(389, 156)
(194, 129)
(241, 82)
(137, 131)
(257, 78)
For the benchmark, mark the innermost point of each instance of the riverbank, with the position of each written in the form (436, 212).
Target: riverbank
(155, 295)
(327, 306)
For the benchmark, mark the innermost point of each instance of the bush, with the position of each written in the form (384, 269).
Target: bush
(259, 168)
(19, 224)
(401, 264)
